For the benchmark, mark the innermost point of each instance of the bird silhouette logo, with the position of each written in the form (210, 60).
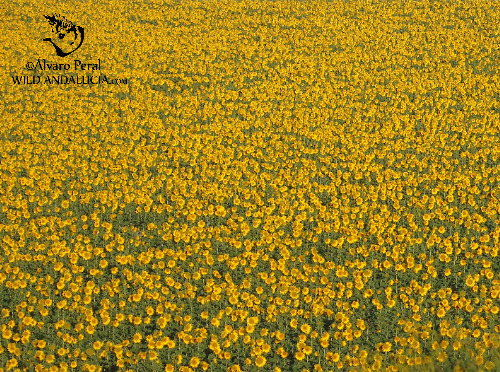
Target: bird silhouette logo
(68, 36)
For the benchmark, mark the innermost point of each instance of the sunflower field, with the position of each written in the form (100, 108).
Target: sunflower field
(285, 186)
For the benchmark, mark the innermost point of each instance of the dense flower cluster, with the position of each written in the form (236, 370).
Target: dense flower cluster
(282, 186)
